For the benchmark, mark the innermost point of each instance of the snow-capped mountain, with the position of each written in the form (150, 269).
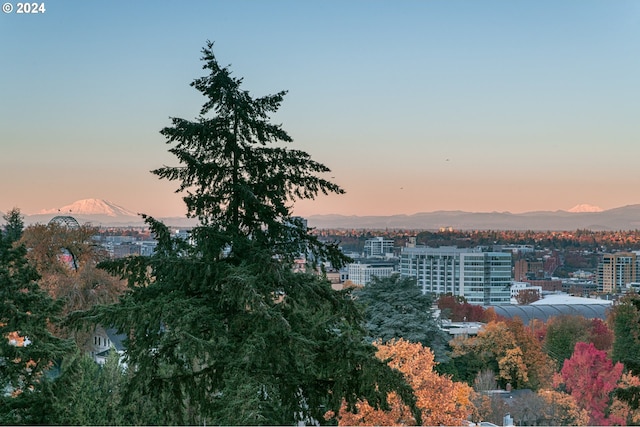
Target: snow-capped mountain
(99, 212)
(585, 208)
(90, 207)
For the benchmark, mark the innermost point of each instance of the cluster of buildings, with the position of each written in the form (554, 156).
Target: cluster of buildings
(488, 277)
(481, 277)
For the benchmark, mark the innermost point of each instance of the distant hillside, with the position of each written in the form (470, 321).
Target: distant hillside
(624, 218)
(104, 213)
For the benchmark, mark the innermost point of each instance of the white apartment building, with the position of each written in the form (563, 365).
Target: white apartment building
(482, 278)
(378, 247)
(361, 274)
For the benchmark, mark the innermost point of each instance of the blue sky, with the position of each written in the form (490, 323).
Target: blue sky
(415, 105)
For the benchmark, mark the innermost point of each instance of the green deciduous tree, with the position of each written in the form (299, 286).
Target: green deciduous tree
(562, 334)
(28, 350)
(222, 326)
(625, 322)
(396, 308)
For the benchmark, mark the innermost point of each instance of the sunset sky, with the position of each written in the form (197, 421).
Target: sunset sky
(416, 106)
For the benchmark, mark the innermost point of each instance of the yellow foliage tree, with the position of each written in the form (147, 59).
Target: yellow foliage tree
(561, 409)
(512, 366)
(441, 400)
(510, 350)
(620, 410)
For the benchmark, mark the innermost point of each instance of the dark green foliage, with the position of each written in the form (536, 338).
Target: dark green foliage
(14, 225)
(563, 332)
(26, 311)
(86, 393)
(222, 330)
(252, 343)
(625, 319)
(395, 307)
(238, 184)
(464, 368)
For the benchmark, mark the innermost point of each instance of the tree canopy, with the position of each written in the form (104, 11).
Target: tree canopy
(441, 400)
(28, 349)
(590, 377)
(222, 325)
(239, 180)
(396, 308)
(625, 321)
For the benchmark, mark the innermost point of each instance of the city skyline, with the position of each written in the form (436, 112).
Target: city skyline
(416, 106)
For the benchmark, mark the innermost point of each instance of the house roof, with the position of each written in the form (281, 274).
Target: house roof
(116, 339)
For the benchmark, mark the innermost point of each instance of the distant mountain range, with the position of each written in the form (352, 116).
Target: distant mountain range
(624, 218)
(104, 213)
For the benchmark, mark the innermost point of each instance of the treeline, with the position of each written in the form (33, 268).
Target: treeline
(567, 371)
(581, 239)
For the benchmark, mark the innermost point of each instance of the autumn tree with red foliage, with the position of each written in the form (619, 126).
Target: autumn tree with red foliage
(600, 335)
(457, 309)
(589, 376)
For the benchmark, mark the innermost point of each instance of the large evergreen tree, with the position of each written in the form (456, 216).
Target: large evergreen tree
(28, 350)
(395, 307)
(14, 224)
(223, 325)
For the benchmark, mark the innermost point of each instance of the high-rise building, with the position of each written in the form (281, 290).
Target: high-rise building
(482, 278)
(615, 271)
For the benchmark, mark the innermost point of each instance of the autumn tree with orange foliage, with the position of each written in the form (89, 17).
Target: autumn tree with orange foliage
(561, 409)
(507, 348)
(441, 400)
(620, 409)
(539, 364)
(66, 259)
